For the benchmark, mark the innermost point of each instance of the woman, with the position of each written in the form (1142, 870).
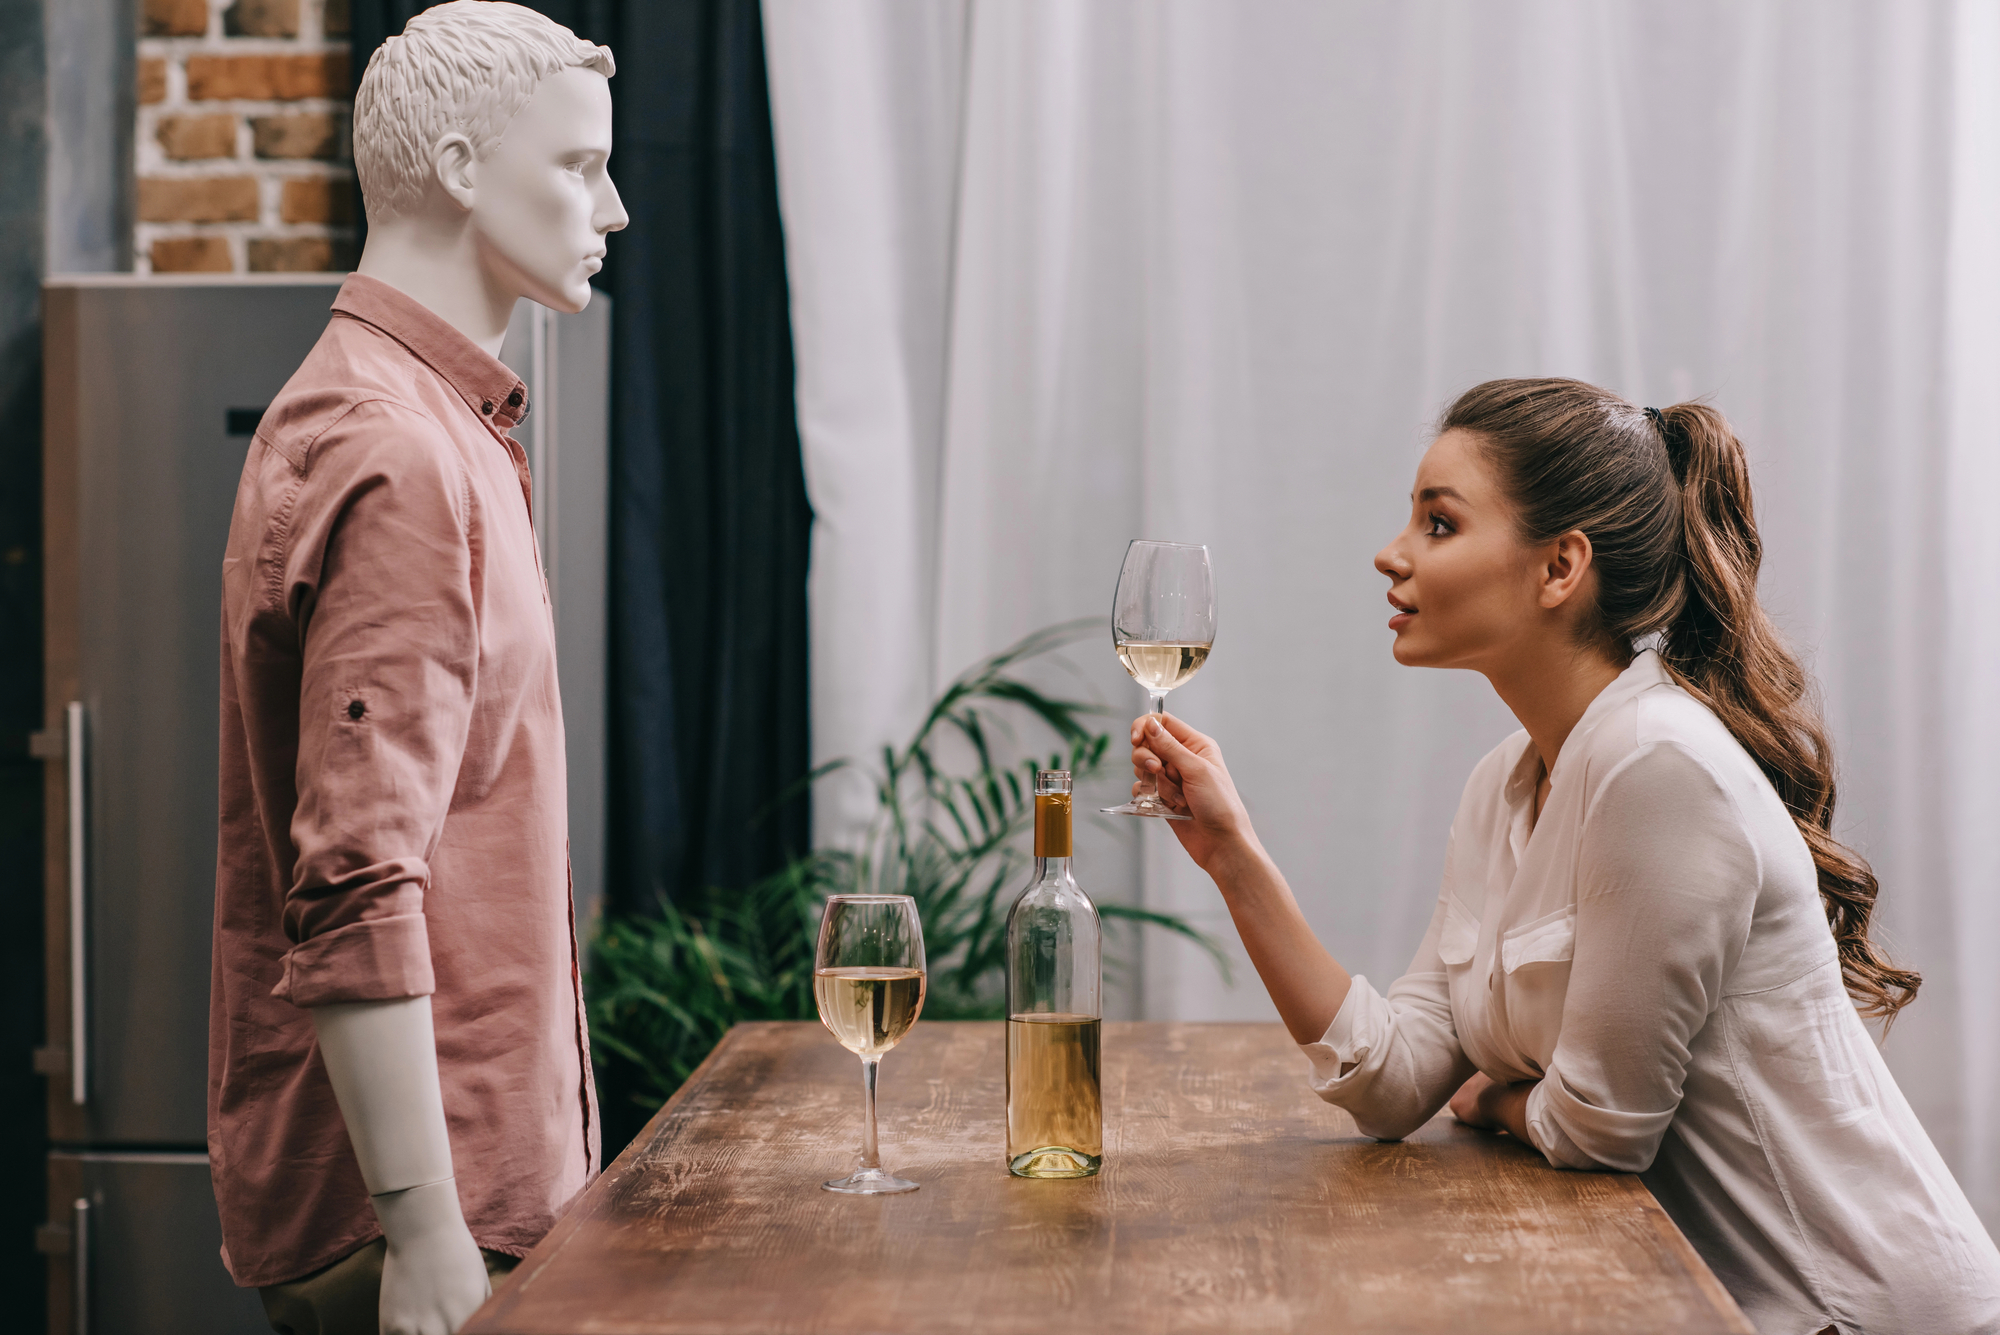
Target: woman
(1644, 951)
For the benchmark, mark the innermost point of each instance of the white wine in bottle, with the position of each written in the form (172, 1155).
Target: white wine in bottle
(1055, 1108)
(869, 1010)
(1161, 667)
(1055, 1104)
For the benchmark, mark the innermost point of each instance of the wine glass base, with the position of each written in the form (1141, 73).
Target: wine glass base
(1141, 806)
(870, 1182)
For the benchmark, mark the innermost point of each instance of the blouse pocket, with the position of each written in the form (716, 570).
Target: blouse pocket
(1549, 939)
(1459, 935)
(1535, 957)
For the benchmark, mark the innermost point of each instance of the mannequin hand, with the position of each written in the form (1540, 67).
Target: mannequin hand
(433, 1276)
(1187, 769)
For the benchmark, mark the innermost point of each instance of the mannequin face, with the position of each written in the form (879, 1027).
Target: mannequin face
(543, 202)
(1466, 590)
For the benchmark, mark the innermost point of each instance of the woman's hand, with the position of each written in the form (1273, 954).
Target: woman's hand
(1187, 769)
(1465, 1103)
(1490, 1106)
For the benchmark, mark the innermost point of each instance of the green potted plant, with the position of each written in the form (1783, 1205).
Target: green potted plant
(662, 990)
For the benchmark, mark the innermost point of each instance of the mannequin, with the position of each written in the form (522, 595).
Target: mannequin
(393, 819)
(477, 229)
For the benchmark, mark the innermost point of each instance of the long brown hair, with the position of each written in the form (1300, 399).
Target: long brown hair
(1664, 497)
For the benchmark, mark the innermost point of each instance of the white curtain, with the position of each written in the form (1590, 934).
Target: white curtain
(1066, 274)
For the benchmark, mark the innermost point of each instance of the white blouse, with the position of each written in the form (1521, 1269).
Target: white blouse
(1655, 953)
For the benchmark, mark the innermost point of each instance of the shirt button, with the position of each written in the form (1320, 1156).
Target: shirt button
(355, 709)
(514, 399)
(487, 407)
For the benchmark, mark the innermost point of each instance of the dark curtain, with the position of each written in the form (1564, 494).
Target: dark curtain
(709, 524)
(23, 1093)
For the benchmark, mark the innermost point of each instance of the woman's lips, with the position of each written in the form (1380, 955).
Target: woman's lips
(1404, 613)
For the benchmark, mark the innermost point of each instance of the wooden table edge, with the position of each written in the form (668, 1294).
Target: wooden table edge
(572, 1218)
(1676, 1241)
(484, 1320)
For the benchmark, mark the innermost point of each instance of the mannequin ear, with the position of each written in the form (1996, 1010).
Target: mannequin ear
(456, 168)
(1566, 562)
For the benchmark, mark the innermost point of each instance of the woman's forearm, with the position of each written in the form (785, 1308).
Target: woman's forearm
(1305, 982)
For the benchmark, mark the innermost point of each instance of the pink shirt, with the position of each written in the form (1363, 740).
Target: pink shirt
(393, 817)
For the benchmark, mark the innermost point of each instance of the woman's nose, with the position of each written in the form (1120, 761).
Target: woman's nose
(1389, 561)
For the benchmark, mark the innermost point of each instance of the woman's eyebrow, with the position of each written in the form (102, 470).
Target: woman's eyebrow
(1434, 493)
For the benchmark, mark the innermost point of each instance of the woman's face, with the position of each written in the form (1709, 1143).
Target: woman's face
(1467, 591)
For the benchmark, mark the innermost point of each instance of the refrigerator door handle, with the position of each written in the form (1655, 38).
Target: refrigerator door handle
(79, 1028)
(79, 1263)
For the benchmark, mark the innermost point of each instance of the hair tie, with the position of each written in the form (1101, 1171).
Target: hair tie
(1677, 442)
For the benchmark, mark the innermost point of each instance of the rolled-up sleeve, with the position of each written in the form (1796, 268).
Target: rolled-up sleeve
(1667, 886)
(378, 579)
(1393, 1061)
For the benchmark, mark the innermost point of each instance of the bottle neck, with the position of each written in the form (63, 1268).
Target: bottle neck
(1052, 828)
(1052, 869)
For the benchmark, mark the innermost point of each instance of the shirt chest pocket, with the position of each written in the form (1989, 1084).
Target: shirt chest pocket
(1458, 937)
(1535, 958)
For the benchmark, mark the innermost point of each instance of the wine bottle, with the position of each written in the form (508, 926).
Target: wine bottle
(1055, 1107)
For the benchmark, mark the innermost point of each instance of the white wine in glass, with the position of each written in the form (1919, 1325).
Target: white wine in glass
(869, 1010)
(868, 979)
(1163, 624)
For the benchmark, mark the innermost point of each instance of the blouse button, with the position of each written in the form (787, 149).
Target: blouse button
(487, 407)
(514, 399)
(355, 709)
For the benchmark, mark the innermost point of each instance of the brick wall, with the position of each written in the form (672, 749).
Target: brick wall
(242, 147)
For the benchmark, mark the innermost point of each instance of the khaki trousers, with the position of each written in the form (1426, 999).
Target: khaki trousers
(346, 1297)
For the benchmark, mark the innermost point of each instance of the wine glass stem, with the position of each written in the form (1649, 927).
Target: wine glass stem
(1151, 785)
(871, 1159)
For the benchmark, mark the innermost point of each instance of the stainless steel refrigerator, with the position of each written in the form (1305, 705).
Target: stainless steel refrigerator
(153, 388)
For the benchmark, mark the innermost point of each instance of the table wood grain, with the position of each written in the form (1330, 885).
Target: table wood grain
(1232, 1200)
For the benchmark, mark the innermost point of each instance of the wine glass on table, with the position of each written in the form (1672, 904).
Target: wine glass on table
(868, 978)
(1163, 622)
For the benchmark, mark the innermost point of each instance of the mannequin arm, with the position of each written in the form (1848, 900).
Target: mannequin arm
(382, 1060)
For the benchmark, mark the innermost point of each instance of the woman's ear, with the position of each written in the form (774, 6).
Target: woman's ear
(1566, 563)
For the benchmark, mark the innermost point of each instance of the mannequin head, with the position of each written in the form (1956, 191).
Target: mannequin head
(484, 132)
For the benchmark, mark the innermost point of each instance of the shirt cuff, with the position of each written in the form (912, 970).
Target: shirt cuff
(377, 959)
(1574, 1134)
(1357, 1033)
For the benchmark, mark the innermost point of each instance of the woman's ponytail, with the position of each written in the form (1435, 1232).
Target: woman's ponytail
(1727, 653)
(1665, 500)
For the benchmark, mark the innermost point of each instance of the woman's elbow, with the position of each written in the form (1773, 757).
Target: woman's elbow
(1392, 1122)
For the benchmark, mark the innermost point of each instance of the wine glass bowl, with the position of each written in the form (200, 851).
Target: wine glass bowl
(1162, 625)
(869, 980)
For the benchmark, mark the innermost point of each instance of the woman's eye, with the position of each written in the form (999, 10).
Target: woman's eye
(1439, 527)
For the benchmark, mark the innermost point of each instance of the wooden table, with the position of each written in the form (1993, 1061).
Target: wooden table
(1232, 1200)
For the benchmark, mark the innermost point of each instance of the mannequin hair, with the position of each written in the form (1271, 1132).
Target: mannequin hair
(468, 66)
(1664, 497)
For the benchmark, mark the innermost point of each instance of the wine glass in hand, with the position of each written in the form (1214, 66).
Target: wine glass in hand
(868, 979)
(1163, 622)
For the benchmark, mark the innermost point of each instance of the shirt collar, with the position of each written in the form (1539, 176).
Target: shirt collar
(494, 393)
(1644, 672)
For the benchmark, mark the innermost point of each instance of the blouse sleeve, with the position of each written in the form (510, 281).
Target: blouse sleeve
(1393, 1061)
(1667, 885)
